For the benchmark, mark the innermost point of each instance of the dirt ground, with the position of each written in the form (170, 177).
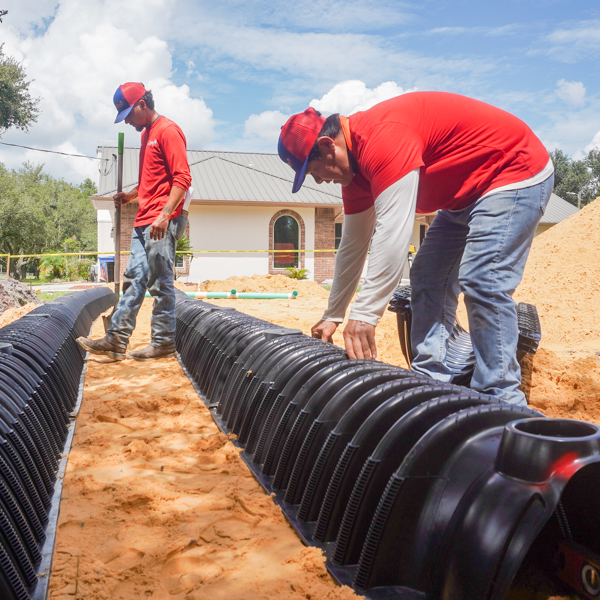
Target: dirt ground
(15, 294)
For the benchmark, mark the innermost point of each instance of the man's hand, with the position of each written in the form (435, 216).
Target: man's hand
(124, 198)
(159, 227)
(359, 338)
(324, 330)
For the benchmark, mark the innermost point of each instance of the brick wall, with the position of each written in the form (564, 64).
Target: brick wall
(128, 213)
(324, 239)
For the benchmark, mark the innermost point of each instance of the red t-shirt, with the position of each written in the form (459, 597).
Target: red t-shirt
(464, 147)
(163, 164)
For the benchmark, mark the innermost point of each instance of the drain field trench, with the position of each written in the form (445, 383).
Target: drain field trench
(158, 504)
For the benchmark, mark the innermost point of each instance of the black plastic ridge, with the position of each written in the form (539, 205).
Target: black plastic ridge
(41, 377)
(413, 489)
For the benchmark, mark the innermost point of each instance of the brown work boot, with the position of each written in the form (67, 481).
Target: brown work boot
(102, 346)
(150, 352)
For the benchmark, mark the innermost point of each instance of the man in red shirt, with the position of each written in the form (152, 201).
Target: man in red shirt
(164, 178)
(488, 176)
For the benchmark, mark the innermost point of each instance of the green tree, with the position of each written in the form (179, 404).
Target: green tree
(592, 162)
(38, 212)
(573, 177)
(17, 107)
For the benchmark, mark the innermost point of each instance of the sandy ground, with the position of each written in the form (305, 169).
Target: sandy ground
(12, 314)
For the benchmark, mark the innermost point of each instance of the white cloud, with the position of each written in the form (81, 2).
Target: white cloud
(511, 29)
(347, 98)
(594, 144)
(569, 44)
(571, 92)
(309, 61)
(265, 126)
(571, 130)
(191, 114)
(351, 96)
(76, 65)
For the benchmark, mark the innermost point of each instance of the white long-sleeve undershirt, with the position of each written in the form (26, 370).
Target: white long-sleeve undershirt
(389, 224)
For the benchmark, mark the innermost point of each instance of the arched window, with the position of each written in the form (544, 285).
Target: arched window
(285, 237)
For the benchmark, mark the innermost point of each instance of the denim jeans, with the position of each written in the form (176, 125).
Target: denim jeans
(480, 251)
(150, 267)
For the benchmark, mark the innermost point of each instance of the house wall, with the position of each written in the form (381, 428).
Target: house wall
(106, 244)
(222, 227)
(543, 227)
(219, 227)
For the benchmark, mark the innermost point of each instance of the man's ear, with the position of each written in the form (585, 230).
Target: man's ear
(142, 104)
(326, 145)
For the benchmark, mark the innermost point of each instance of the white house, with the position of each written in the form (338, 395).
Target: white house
(243, 209)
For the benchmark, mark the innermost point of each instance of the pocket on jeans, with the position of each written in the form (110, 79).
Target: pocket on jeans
(545, 194)
(180, 223)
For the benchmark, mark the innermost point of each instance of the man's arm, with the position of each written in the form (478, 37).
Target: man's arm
(395, 210)
(160, 224)
(125, 197)
(174, 150)
(349, 262)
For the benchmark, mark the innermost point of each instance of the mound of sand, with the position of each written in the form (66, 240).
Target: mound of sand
(261, 284)
(13, 293)
(12, 314)
(562, 278)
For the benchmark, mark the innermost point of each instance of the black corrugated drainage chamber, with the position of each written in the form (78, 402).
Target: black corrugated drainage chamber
(40, 376)
(413, 489)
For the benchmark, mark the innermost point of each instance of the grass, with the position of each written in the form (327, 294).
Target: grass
(51, 295)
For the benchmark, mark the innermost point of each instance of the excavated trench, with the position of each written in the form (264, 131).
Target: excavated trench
(412, 488)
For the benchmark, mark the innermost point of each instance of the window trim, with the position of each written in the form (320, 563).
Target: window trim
(302, 246)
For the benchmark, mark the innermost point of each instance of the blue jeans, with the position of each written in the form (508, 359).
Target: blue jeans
(150, 266)
(480, 251)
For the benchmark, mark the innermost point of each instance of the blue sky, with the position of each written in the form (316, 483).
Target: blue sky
(231, 72)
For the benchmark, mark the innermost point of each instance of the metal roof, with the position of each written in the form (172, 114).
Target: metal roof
(558, 210)
(248, 177)
(237, 177)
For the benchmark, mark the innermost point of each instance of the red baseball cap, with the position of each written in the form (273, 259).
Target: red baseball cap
(296, 140)
(125, 97)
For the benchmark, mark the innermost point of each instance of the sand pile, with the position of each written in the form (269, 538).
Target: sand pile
(13, 293)
(262, 284)
(12, 314)
(564, 385)
(157, 502)
(562, 278)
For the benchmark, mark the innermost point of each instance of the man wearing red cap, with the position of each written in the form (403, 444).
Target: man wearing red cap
(488, 177)
(164, 178)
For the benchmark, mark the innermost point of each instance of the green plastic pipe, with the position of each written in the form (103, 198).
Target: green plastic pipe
(233, 294)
